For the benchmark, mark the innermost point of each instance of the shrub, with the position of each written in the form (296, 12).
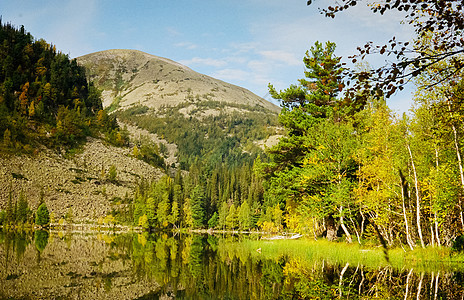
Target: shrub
(112, 173)
(43, 216)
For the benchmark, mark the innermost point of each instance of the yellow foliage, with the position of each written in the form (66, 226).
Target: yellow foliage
(108, 238)
(269, 226)
(142, 239)
(109, 219)
(143, 221)
(32, 109)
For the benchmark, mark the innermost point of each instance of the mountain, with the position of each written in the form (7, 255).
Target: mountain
(130, 77)
(208, 120)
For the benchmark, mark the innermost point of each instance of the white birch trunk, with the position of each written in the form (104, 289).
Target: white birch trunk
(342, 224)
(407, 285)
(416, 184)
(408, 235)
(461, 173)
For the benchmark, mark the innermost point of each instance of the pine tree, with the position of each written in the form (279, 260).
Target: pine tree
(223, 212)
(213, 221)
(244, 216)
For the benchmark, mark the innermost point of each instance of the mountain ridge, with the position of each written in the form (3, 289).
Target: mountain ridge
(132, 77)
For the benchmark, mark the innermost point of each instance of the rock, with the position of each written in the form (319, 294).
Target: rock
(73, 180)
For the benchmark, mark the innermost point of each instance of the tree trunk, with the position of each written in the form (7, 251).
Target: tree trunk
(358, 236)
(416, 184)
(436, 286)
(331, 228)
(419, 288)
(362, 281)
(436, 232)
(403, 195)
(461, 173)
(340, 282)
(314, 229)
(347, 233)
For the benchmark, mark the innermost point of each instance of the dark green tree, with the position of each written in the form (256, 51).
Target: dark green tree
(213, 221)
(41, 239)
(308, 167)
(197, 201)
(42, 216)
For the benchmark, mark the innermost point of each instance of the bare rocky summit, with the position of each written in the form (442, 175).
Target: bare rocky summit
(130, 77)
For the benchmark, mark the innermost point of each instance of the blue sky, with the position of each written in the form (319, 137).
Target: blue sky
(249, 43)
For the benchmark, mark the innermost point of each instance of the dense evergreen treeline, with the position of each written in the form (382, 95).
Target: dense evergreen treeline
(45, 97)
(215, 184)
(226, 197)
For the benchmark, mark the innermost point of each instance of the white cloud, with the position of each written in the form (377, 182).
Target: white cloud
(204, 61)
(186, 45)
(281, 56)
(231, 74)
(171, 31)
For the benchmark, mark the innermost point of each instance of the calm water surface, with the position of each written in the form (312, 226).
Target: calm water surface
(161, 266)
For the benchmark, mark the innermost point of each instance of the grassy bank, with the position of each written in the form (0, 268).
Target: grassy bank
(428, 259)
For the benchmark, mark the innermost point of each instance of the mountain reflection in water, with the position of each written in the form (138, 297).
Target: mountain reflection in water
(142, 266)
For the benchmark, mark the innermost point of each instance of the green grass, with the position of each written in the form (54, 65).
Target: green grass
(428, 259)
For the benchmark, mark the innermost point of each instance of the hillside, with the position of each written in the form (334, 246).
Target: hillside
(217, 130)
(76, 183)
(204, 117)
(130, 77)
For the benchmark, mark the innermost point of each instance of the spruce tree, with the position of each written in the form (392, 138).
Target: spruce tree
(198, 212)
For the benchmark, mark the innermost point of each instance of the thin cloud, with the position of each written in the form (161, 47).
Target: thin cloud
(186, 45)
(204, 61)
(231, 74)
(173, 31)
(281, 56)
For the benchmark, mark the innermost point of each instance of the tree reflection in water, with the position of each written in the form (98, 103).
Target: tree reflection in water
(209, 267)
(144, 266)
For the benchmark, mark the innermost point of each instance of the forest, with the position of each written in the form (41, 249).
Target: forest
(348, 167)
(345, 168)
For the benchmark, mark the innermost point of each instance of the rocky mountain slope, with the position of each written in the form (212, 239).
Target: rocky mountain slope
(76, 184)
(130, 77)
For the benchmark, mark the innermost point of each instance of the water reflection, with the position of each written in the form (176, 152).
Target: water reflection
(142, 266)
(41, 239)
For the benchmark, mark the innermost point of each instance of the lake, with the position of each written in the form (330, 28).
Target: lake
(65, 265)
